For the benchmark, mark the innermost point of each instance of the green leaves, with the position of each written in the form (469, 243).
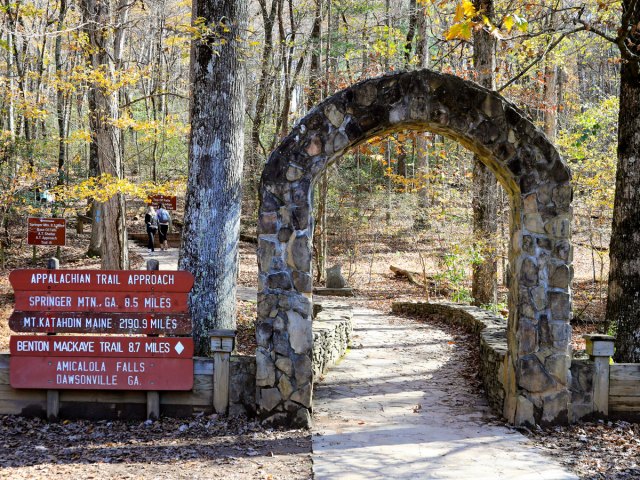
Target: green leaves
(514, 20)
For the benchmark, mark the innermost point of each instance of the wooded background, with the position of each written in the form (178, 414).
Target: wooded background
(95, 101)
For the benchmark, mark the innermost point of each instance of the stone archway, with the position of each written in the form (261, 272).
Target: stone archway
(526, 164)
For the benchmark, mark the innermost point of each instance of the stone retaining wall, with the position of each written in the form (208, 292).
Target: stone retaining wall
(332, 330)
(491, 330)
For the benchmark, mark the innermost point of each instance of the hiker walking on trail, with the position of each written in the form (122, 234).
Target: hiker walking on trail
(163, 221)
(151, 221)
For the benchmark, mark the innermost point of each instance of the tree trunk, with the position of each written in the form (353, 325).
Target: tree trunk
(11, 113)
(95, 243)
(290, 75)
(422, 139)
(550, 100)
(623, 305)
(411, 32)
(320, 227)
(216, 151)
(112, 213)
(485, 217)
(264, 85)
(315, 75)
(60, 97)
(550, 92)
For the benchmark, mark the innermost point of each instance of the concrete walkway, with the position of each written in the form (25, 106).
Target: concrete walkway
(169, 261)
(396, 407)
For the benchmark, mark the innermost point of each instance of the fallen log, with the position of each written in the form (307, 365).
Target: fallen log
(413, 277)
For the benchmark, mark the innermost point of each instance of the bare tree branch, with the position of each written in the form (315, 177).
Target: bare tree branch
(540, 57)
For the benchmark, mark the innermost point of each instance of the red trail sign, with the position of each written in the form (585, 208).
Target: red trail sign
(46, 301)
(100, 301)
(86, 346)
(102, 280)
(101, 373)
(86, 322)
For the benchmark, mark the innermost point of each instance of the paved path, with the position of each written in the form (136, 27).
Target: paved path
(396, 408)
(169, 261)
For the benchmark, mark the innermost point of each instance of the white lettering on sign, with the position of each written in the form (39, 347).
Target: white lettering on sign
(111, 347)
(161, 323)
(157, 302)
(57, 322)
(148, 279)
(73, 346)
(32, 346)
(160, 347)
(108, 279)
(80, 366)
(47, 301)
(132, 323)
(130, 367)
(87, 302)
(83, 379)
(60, 278)
(90, 323)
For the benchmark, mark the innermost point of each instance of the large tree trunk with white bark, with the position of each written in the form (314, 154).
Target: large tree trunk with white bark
(216, 150)
(623, 305)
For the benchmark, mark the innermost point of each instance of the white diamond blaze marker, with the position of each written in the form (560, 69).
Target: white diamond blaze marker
(179, 348)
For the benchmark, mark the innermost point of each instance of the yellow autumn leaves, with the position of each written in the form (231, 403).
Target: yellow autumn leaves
(467, 18)
(103, 187)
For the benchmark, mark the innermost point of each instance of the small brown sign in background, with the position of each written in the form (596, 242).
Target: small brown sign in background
(46, 231)
(168, 201)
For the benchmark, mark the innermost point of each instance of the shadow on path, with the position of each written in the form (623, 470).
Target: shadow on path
(399, 407)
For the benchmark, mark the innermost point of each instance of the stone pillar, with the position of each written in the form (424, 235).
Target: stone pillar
(542, 324)
(284, 378)
(600, 350)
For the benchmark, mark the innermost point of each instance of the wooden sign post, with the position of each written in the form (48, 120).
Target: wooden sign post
(102, 302)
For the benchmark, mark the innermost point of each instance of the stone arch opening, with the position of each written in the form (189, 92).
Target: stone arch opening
(537, 180)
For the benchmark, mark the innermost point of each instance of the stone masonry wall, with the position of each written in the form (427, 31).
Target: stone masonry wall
(332, 331)
(525, 162)
(492, 334)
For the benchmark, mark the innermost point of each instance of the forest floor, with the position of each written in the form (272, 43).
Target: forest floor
(199, 448)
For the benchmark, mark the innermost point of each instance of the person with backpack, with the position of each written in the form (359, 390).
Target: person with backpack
(151, 221)
(163, 222)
